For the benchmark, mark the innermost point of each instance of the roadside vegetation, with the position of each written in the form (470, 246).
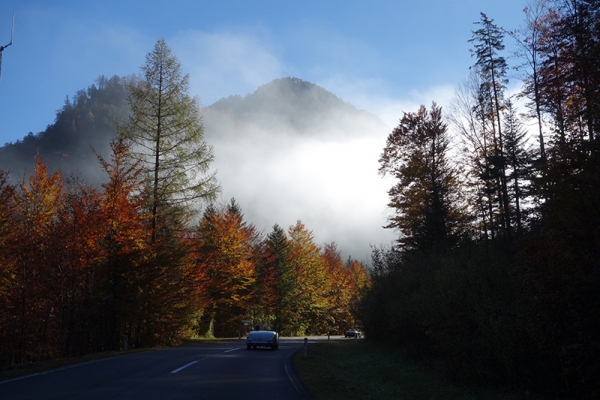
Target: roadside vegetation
(360, 369)
(492, 280)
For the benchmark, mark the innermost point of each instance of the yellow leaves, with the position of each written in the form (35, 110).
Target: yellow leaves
(39, 203)
(225, 252)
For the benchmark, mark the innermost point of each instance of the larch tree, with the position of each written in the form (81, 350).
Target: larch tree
(166, 132)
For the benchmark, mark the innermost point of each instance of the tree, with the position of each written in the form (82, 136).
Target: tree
(581, 30)
(528, 40)
(124, 242)
(488, 42)
(226, 266)
(426, 197)
(7, 263)
(339, 290)
(34, 251)
(75, 291)
(279, 285)
(310, 276)
(166, 133)
(518, 162)
(476, 153)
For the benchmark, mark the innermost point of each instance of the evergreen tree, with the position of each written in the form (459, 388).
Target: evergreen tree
(279, 283)
(492, 67)
(518, 163)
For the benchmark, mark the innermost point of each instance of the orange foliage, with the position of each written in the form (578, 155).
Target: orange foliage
(225, 266)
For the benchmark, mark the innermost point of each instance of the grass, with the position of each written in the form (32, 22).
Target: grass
(357, 369)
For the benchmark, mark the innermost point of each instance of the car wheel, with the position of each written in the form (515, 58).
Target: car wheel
(248, 346)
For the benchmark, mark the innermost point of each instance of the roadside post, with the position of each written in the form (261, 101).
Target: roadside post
(245, 322)
(305, 346)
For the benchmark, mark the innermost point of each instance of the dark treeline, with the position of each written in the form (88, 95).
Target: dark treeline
(495, 274)
(85, 122)
(147, 257)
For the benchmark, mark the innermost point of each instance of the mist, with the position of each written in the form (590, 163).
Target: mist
(296, 152)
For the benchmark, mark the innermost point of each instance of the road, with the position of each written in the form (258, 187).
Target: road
(221, 370)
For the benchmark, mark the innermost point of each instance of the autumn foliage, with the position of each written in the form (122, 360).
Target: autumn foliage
(81, 270)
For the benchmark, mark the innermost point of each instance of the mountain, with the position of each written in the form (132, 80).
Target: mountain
(83, 125)
(298, 106)
(289, 106)
(289, 151)
(284, 107)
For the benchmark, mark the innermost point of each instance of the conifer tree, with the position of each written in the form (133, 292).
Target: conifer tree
(517, 162)
(276, 272)
(492, 67)
(166, 132)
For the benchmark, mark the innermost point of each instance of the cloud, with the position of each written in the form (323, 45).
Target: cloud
(372, 94)
(226, 63)
(328, 180)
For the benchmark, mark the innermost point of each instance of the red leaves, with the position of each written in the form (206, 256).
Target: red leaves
(79, 270)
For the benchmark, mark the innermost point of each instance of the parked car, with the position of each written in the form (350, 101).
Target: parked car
(352, 333)
(256, 339)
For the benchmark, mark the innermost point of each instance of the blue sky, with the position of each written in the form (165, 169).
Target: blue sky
(382, 56)
(385, 57)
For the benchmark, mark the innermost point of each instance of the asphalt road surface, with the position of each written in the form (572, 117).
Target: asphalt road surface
(222, 370)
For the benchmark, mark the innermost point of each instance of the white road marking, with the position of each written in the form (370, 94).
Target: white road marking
(185, 366)
(194, 362)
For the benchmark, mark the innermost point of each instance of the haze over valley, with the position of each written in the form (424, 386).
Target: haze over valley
(289, 151)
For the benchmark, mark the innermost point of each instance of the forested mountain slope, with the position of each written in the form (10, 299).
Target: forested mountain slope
(86, 122)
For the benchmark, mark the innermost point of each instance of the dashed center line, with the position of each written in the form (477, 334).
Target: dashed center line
(185, 366)
(194, 362)
(230, 350)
